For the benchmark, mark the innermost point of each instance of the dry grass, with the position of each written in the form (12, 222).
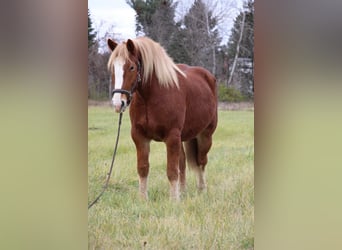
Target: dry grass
(221, 218)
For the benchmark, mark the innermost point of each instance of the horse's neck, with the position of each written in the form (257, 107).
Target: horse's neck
(148, 88)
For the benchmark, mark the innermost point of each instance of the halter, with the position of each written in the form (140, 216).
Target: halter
(129, 94)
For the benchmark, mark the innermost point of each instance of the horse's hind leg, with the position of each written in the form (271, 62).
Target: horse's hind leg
(204, 142)
(196, 156)
(191, 150)
(182, 166)
(173, 148)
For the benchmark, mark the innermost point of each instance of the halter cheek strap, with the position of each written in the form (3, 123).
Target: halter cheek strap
(129, 94)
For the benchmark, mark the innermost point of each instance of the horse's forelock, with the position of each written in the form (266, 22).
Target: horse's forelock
(119, 52)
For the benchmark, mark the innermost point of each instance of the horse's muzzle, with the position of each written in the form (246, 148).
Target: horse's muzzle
(120, 106)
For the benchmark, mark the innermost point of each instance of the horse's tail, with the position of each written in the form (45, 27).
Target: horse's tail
(191, 152)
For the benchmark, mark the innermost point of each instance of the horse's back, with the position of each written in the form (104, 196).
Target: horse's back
(200, 74)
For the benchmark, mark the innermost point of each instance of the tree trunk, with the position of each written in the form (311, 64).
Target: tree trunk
(237, 49)
(214, 61)
(213, 44)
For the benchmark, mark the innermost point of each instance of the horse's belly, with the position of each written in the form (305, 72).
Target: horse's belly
(188, 135)
(191, 132)
(196, 122)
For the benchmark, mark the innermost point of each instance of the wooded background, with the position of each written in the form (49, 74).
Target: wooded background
(195, 37)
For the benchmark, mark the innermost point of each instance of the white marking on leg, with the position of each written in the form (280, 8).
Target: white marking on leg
(118, 69)
(143, 187)
(182, 181)
(200, 179)
(182, 186)
(174, 190)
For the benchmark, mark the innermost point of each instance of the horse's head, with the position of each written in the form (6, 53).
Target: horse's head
(125, 67)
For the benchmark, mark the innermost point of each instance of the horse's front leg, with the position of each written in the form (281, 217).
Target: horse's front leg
(143, 149)
(173, 148)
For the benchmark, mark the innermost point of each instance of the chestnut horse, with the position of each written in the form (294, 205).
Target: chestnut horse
(168, 102)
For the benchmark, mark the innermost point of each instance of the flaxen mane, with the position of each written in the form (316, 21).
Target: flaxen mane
(154, 59)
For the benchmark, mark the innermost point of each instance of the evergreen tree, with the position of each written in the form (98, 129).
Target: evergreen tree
(163, 25)
(202, 36)
(145, 9)
(247, 43)
(155, 19)
(243, 75)
(178, 48)
(91, 32)
(222, 61)
(193, 40)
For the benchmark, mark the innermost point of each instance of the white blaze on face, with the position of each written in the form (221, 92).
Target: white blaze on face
(118, 69)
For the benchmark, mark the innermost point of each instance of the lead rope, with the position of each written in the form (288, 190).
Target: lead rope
(111, 167)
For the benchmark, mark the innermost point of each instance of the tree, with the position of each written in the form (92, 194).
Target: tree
(177, 48)
(222, 62)
(144, 11)
(202, 36)
(155, 19)
(241, 48)
(163, 25)
(98, 75)
(237, 51)
(247, 42)
(91, 32)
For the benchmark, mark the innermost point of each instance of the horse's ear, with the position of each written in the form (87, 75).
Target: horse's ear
(111, 44)
(130, 46)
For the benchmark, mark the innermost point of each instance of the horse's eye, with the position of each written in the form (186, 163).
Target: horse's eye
(131, 68)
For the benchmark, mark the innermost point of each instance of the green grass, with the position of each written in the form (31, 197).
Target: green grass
(220, 218)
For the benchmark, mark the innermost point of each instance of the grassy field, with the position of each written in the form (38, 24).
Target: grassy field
(220, 218)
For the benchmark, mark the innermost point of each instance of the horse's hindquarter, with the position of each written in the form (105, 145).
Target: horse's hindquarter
(201, 101)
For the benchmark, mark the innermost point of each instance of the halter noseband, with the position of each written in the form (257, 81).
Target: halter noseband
(129, 94)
